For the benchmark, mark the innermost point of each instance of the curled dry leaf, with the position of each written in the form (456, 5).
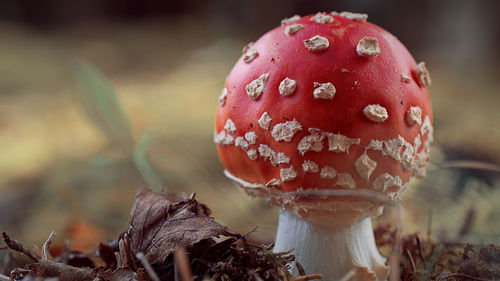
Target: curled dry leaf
(161, 222)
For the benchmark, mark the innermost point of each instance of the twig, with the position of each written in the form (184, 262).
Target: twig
(366, 194)
(254, 229)
(411, 261)
(470, 164)
(128, 251)
(350, 274)
(45, 249)
(4, 278)
(3, 247)
(361, 193)
(36, 251)
(429, 225)
(467, 224)
(463, 275)
(394, 257)
(123, 252)
(183, 265)
(420, 251)
(147, 266)
(48, 268)
(119, 262)
(16, 246)
(300, 268)
(285, 252)
(19, 273)
(308, 277)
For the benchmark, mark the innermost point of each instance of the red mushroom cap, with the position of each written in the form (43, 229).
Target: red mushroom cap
(326, 101)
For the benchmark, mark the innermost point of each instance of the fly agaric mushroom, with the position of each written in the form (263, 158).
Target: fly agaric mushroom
(327, 102)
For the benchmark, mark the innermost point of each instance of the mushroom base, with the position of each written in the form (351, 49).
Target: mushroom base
(332, 251)
(322, 211)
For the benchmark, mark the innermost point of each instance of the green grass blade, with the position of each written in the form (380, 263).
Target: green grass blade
(102, 106)
(142, 163)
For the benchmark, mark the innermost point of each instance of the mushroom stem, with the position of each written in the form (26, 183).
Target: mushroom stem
(331, 251)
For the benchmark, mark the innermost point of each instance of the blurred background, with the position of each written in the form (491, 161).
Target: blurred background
(167, 61)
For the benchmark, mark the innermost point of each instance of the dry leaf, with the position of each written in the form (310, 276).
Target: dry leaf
(484, 265)
(162, 222)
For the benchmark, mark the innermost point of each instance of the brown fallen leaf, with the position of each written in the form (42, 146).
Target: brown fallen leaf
(162, 222)
(484, 264)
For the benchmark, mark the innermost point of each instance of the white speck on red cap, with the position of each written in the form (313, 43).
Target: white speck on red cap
(376, 113)
(250, 55)
(290, 19)
(405, 78)
(368, 47)
(316, 43)
(327, 173)
(287, 86)
(281, 158)
(223, 97)
(255, 88)
(324, 90)
(291, 29)
(230, 127)
(251, 137)
(312, 142)
(354, 16)
(365, 166)
(422, 159)
(426, 126)
(384, 181)
(285, 131)
(288, 174)
(310, 166)
(241, 143)
(340, 143)
(247, 47)
(322, 18)
(223, 139)
(416, 142)
(345, 180)
(414, 116)
(267, 153)
(252, 154)
(393, 147)
(408, 157)
(424, 77)
(376, 145)
(265, 121)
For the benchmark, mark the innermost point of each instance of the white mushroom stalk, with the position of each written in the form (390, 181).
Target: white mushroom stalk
(332, 250)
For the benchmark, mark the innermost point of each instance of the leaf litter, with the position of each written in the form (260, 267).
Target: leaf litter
(173, 237)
